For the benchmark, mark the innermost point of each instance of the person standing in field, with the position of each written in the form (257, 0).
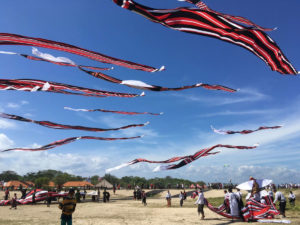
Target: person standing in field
(292, 198)
(168, 198)
(282, 201)
(181, 198)
(200, 202)
(67, 206)
(14, 202)
(144, 198)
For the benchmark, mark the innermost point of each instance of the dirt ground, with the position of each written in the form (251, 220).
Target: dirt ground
(120, 211)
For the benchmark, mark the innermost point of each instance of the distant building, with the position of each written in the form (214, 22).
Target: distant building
(104, 184)
(78, 184)
(16, 184)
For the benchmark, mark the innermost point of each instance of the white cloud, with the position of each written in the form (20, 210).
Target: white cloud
(12, 105)
(243, 95)
(78, 164)
(4, 124)
(5, 142)
(240, 113)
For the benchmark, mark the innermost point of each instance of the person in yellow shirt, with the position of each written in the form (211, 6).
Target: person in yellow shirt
(67, 206)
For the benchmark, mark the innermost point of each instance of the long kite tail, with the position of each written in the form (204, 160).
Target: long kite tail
(67, 127)
(185, 159)
(15, 39)
(113, 111)
(243, 131)
(45, 57)
(141, 85)
(47, 86)
(213, 24)
(67, 141)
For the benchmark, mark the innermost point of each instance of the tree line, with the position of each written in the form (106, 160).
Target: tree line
(43, 177)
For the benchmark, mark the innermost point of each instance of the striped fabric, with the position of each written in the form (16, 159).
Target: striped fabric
(67, 141)
(15, 39)
(244, 131)
(216, 25)
(143, 86)
(47, 86)
(66, 127)
(185, 159)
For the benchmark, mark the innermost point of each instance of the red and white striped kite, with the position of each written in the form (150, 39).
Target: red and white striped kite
(67, 141)
(113, 111)
(15, 39)
(185, 159)
(47, 86)
(203, 21)
(243, 131)
(141, 85)
(66, 127)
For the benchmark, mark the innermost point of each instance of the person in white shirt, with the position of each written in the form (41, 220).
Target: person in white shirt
(234, 205)
(263, 193)
(226, 201)
(282, 202)
(200, 201)
(168, 198)
(292, 198)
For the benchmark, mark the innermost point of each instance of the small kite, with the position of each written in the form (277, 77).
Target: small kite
(141, 85)
(47, 86)
(185, 159)
(203, 21)
(67, 141)
(15, 39)
(66, 127)
(243, 131)
(62, 61)
(112, 111)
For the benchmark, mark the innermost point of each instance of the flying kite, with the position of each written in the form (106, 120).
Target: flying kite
(243, 131)
(62, 61)
(185, 159)
(141, 85)
(15, 39)
(112, 111)
(66, 127)
(40, 85)
(67, 141)
(203, 21)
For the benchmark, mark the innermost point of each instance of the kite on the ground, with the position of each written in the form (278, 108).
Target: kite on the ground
(66, 127)
(203, 21)
(185, 159)
(45, 57)
(15, 39)
(243, 131)
(67, 141)
(141, 85)
(113, 111)
(40, 85)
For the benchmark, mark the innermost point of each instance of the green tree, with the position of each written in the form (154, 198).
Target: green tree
(41, 182)
(95, 179)
(9, 175)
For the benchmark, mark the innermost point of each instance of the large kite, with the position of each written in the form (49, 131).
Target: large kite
(112, 111)
(67, 141)
(15, 39)
(40, 85)
(185, 159)
(203, 21)
(66, 127)
(62, 61)
(243, 131)
(141, 85)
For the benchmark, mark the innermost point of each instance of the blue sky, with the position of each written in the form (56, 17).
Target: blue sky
(265, 97)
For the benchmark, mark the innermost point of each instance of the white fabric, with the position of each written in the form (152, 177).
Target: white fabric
(49, 57)
(292, 196)
(249, 184)
(8, 53)
(160, 168)
(117, 167)
(136, 83)
(76, 110)
(200, 199)
(234, 205)
(218, 131)
(248, 196)
(274, 221)
(279, 195)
